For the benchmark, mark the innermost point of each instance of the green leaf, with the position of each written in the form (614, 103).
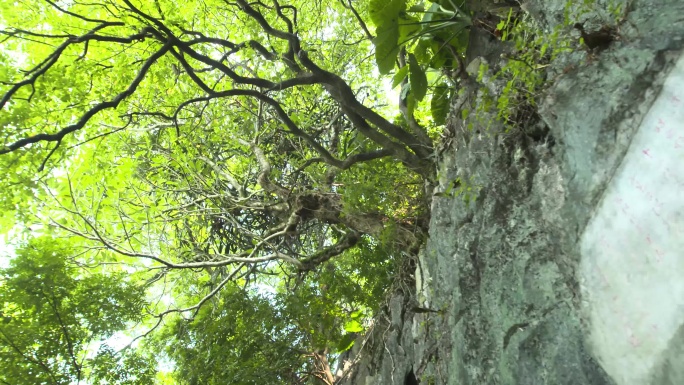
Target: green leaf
(386, 48)
(346, 342)
(421, 51)
(439, 106)
(417, 78)
(408, 28)
(358, 314)
(353, 326)
(417, 8)
(428, 16)
(405, 88)
(382, 10)
(410, 103)
(439, 59)
(399, 76)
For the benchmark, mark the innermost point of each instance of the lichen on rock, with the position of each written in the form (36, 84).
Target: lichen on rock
(500, 270)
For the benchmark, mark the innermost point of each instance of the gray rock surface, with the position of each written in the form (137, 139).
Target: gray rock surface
(498, 297)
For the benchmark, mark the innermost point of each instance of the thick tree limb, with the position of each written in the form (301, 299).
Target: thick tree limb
(348, 241)
(46, 64)
(113, 103)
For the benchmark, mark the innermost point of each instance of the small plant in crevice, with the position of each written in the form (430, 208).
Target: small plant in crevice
(467, 190)
(609, 12)
(523, 75)
(429, 380)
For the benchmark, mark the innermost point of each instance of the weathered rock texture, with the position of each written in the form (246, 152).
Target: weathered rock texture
(498, 298)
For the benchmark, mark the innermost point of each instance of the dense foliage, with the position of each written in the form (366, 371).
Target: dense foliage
(223, 178)
(55, 315)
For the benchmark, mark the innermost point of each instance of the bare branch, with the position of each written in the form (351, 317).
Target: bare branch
(65, 332)
(74, 14)
(17, 32)
(350, 7)
(265, 171)
(231, 179)
(284, 117)
(290, 37)
(350, 161)
(42, 165)
(348, 241)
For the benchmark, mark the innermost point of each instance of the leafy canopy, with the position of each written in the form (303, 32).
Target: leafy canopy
(231, 169)
(55, 316)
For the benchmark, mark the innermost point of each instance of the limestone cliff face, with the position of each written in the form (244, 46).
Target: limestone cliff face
(498, 297)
